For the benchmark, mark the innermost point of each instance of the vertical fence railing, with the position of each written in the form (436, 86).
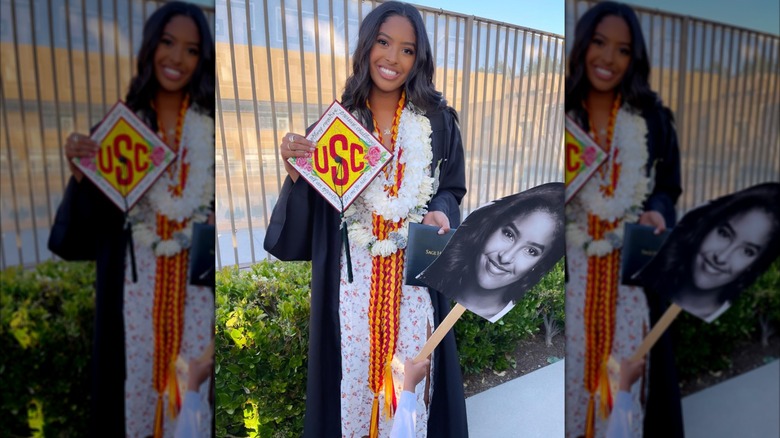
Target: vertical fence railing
(721, 82)
(291, 59)
(64, 64)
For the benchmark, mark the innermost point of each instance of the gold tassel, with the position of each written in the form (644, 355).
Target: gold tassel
(158, 418)
(589, 426)
(389, 390)
(174, 400)
(374, 429)
(605, 405)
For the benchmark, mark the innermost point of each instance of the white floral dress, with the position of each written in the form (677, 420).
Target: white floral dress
(416, 316)
(198, 326)
(631, 309)
(140, 395)
(631, 324)
(415, 313)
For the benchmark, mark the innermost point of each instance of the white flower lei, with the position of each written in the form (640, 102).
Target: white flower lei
(195, 201)
(414, 138)
(632, 188)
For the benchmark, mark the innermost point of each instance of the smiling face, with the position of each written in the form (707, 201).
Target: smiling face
(393, 54)
(512, 250)
(608, 55)
(730, 248)
(177, 54)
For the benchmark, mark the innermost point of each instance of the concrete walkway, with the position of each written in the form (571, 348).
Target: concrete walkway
(528, 406)
(533, 406)
(745, 406)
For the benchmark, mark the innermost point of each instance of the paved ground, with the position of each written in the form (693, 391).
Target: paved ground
(529, 406)
(533, 406)
(745, 406)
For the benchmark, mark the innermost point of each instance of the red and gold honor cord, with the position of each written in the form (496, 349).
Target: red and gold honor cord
(385, 300)
(601, 297)
(170, 291)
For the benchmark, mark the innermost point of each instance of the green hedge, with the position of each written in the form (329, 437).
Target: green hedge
(46, 320)
(262, 322)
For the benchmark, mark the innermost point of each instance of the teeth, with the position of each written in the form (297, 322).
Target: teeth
(604, 72)
(172, 72)
(387, 72)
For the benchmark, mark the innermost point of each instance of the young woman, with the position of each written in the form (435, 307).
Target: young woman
(717, 250)
(501, 250)
(608, 95)
(144, 328)
(361, 331)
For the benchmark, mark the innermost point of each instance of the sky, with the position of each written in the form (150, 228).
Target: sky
(548, 15)
(761, 15)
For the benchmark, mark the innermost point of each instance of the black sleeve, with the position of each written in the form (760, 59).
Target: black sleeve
(289, 234)
(448, 147)
(663, 164)
(75, 230)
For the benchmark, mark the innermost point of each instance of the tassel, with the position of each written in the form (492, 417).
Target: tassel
(345, 235)
(374, 430)
(605, 405)
(390, 402)
(589, 426)
(158, 418)
(174, 397)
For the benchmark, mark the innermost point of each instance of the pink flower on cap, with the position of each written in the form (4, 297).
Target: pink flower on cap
(158, 155)
(88, 162)
(303, 163)
(374, 154)
(589, 156)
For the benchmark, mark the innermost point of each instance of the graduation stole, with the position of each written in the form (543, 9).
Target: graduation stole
(170, 291)
(385, 300)
(601, 294)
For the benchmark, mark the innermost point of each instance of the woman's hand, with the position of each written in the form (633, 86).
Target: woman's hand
(653, 219)
(79, 146)
(437, 219)
(294, 146)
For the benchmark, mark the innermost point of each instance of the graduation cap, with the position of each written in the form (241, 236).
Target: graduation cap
(130, 158)
(346, 159)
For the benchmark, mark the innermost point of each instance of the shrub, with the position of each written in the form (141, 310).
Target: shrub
(766, 301)
(46, 320)
(262, 318)
(552, 294)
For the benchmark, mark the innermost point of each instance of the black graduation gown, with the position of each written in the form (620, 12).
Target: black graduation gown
(306, 227)
(88, 226)
(663, 409)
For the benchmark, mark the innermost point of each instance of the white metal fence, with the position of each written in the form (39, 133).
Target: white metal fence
(280, 64)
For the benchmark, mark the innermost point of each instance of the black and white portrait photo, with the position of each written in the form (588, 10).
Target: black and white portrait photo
(501, 250)
(717, 250)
